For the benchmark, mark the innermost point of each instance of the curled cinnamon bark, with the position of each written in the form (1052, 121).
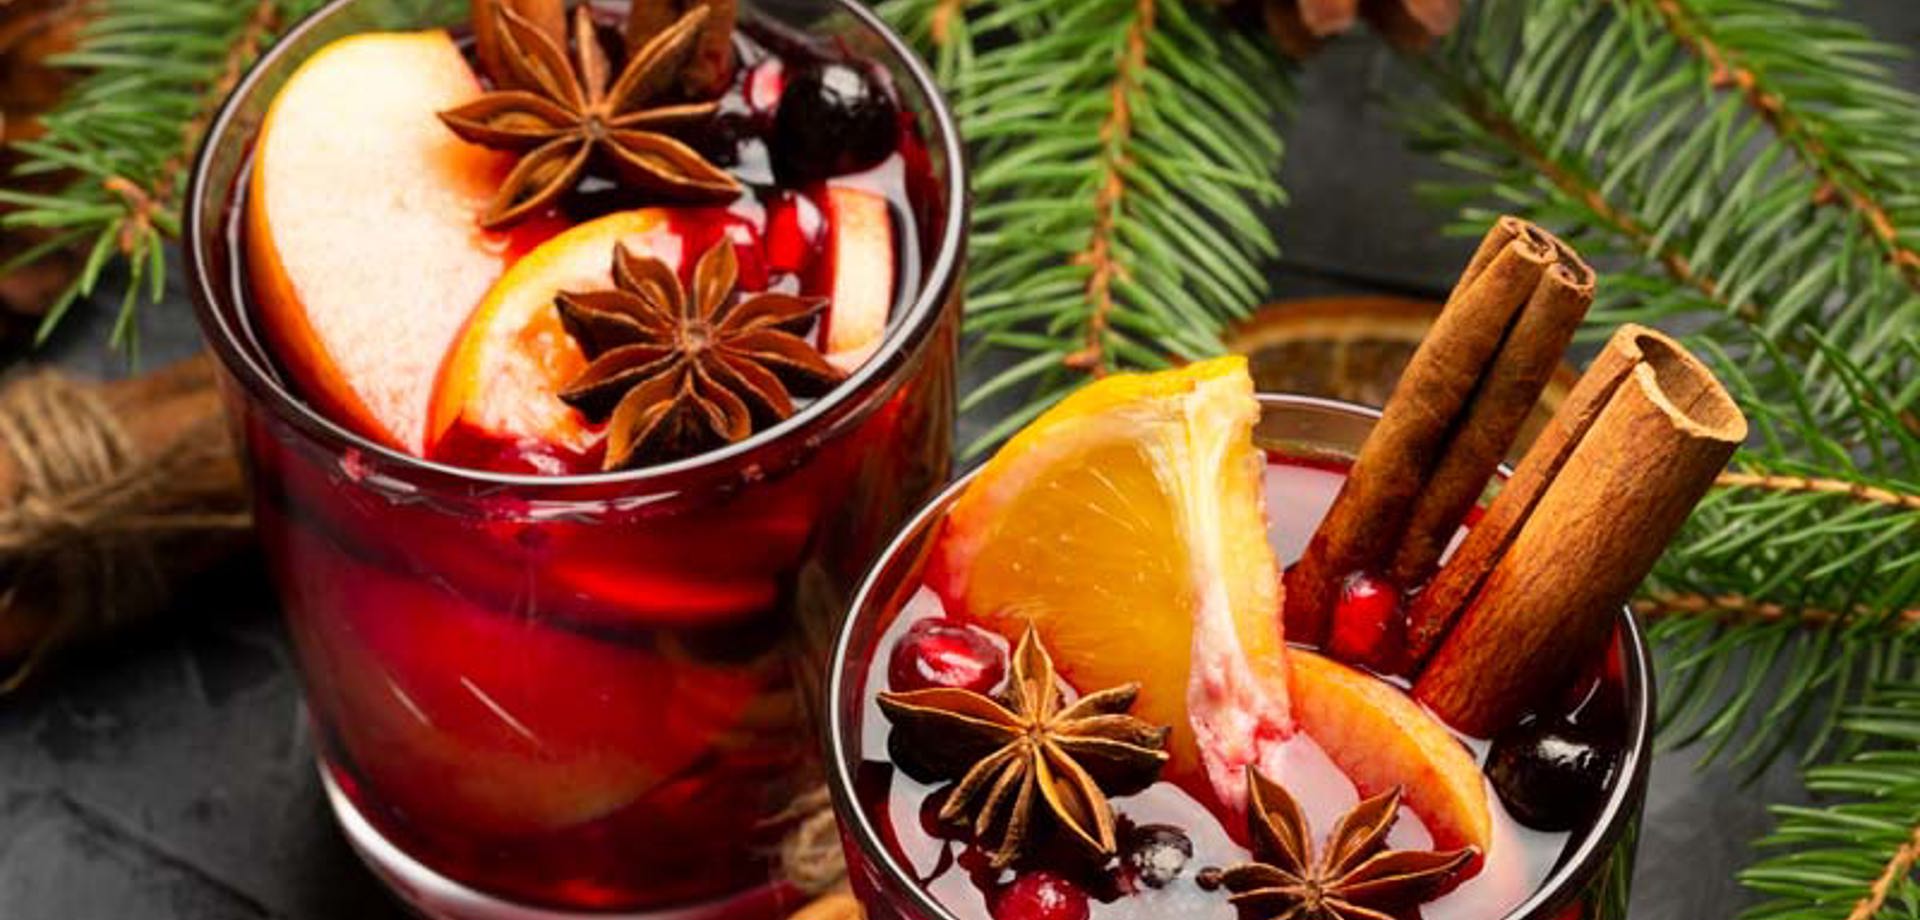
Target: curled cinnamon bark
(1453, 416)
(1537, 584)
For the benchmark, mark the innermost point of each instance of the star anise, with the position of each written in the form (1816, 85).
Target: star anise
(680, 372)
(1355, 878)
(1028, 753)
(559, 116)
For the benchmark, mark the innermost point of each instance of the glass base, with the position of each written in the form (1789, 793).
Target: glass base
(436, 897)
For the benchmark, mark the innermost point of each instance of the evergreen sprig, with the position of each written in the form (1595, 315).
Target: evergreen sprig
(1746, 174)
(156, 71)
(1125, 154)
(1853, 858)
(1736, 167)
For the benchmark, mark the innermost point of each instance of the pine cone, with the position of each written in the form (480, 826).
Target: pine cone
(30, 32)
(1301, 26)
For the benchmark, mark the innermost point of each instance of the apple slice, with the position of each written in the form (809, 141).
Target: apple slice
(859, 270)
(362, 244)
(500, 383)
(1380, 738)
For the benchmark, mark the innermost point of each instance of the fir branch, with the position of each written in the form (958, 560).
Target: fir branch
(157, 72)
(1595, 114)
(1858, 854)
(1858, 162)
(1625, 124)
(1125, 154)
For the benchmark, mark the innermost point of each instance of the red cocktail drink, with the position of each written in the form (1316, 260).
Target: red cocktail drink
(541, 680)
(1563, 789)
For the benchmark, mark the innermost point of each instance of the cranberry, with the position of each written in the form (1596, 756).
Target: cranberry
(1156, 854)
(1550, 773)
(940, 653)
(795, 231)
(1042, 895)
(1368, 626)
(834, 118)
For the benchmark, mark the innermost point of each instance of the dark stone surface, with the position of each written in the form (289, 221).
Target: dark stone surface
(169, 777)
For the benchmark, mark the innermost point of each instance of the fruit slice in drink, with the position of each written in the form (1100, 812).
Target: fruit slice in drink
(498, 392)
(1126, 523)
(360, 233)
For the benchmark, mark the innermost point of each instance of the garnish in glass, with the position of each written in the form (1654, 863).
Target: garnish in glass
(1354, 878)
(1031, 754)
(559, 115)
(678, 372)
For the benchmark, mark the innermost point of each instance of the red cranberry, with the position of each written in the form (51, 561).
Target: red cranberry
(795, 231)
(940, 653)
(1156, 854)
(1550, 773)
(1042, 895)
(1368, 627)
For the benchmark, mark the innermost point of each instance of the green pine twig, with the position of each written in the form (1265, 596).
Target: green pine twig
(1854, 858)
(1124, 153)
(156, 72)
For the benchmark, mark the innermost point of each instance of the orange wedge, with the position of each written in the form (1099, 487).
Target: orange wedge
(1380, 738)
(1128, 525)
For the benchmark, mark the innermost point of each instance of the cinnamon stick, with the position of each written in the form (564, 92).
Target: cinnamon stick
(1537, 584)
(1453, 416)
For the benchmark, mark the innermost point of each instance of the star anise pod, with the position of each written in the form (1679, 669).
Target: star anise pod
(1030, 753)
(678, 372)
(561, 115)
(1355, 878)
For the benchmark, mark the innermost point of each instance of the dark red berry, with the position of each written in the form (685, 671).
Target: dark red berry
(1156, 854)
(1369, 628)
(795, 232)
(1550, 774)
(834, 118)
(1041, 895)
(941, 653)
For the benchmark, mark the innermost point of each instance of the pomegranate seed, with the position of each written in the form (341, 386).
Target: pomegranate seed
(1368, 627)
(1041, 895)
(938, 653)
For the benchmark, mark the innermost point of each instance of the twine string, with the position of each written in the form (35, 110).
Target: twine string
(83, 518)
(810, 854)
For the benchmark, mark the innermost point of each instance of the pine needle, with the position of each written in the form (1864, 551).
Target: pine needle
(1125, 154)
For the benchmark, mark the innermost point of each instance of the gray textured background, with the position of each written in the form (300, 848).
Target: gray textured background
(170, 776)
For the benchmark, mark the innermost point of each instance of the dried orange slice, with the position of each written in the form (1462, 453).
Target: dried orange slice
(1354, 348)
(1128, 525)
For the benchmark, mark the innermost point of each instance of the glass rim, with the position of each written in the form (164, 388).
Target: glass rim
(920, 319)
(1586, 859)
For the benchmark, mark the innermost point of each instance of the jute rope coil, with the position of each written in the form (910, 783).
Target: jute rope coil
(91, 508)
(810, 855)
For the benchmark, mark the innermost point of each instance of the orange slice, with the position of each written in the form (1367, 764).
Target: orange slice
(1354, 348)
(1380, 738)
(1128, 525)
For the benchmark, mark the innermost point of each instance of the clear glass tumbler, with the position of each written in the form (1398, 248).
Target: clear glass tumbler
(553, 696)
(1589, 881)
